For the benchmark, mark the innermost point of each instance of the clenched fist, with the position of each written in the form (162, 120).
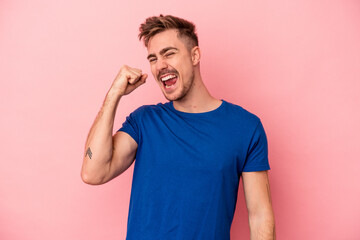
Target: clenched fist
(127, 80)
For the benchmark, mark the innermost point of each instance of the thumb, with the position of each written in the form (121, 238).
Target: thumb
(141, 81)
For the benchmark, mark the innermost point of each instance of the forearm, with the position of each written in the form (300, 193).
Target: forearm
(97, 165)
(99, 143)
(262, 226)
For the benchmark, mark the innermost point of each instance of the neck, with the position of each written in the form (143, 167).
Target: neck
(198, 99)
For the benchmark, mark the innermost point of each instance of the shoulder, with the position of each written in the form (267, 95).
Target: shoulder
(149, 109)
(240, 114)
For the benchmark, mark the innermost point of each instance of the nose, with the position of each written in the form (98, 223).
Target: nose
(161, 64)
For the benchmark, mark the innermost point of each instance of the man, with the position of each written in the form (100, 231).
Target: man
(190, 152)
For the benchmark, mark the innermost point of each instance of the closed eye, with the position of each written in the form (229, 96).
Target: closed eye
(169, 54)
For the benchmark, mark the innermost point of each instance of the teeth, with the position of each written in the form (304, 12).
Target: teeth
(166, 86)
(167, 77)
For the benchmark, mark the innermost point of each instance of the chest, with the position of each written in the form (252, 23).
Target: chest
(213, 147)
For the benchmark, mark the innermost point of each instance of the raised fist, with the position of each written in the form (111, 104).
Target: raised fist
(127, 80)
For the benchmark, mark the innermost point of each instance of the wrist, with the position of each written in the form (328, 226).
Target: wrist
(114, 94)
(112, 98)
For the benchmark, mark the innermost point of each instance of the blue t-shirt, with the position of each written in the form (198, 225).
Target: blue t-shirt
(187, 169)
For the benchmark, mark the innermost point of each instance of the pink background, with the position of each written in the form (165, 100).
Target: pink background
(296, 64)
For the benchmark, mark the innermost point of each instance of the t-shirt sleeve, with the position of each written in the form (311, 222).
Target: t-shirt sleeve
(131, 127)
(257, 156)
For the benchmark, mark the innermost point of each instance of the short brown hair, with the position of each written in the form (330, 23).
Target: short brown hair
(154, 25)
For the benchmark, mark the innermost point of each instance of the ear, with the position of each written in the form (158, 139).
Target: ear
(195, 55)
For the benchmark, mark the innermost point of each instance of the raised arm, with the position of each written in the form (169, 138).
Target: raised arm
(258, 202)
(107, 156)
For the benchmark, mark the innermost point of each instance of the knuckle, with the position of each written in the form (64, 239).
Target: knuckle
(124, 68)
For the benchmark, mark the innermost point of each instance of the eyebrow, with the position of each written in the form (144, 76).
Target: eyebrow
(162, 52)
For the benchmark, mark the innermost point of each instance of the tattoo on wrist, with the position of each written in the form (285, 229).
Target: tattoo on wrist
(88, 153)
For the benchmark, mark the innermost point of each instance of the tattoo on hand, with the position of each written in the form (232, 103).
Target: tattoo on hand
(88, 153)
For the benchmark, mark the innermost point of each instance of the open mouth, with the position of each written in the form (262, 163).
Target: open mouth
(168, 80)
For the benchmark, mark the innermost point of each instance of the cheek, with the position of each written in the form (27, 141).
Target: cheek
(186, 68)
(178, 65)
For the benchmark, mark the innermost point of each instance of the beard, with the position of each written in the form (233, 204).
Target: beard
(183, 91)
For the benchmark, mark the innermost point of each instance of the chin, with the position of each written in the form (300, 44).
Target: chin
(174, 96)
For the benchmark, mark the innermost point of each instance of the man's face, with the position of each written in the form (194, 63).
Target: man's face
(171, 64)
